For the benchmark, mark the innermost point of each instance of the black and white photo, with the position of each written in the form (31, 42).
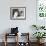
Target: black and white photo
(17, 13)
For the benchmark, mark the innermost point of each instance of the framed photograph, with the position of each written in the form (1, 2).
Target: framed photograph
(18, 13)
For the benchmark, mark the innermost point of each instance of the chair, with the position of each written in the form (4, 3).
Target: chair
(7, 35)
(25, 37)
(14, 32)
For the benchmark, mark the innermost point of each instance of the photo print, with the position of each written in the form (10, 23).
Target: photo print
(17, 13)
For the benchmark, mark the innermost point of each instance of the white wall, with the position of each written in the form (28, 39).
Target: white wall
(24, 25)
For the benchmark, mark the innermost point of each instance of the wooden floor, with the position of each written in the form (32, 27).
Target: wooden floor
(13, 44)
